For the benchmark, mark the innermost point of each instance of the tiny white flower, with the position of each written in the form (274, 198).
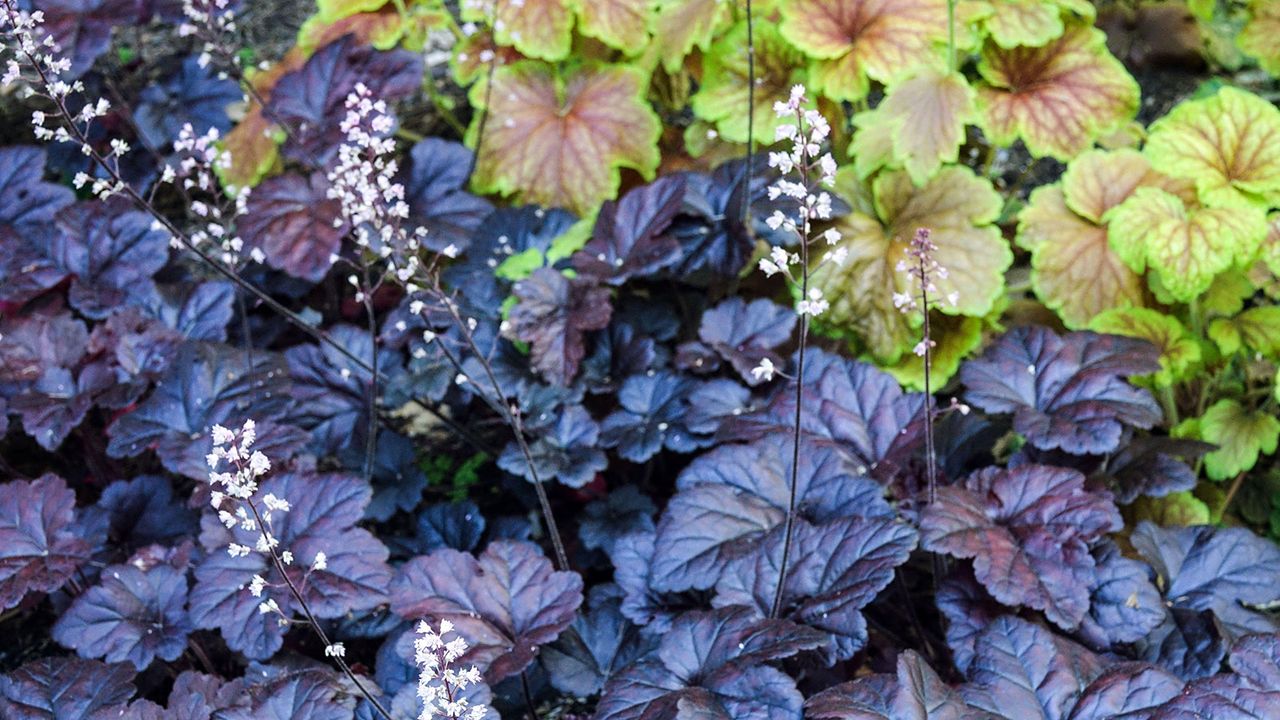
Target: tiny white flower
(763, 371)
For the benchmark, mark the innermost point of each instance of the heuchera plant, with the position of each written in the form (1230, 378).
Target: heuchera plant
(640, 360)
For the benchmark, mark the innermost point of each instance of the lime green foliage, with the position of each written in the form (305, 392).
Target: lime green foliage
(1241, 435)
(1227, 144)
(1175, 510)
(1031, 23)
(722, 97)
(1179, 351)
(1260, 37)
(521, 265)
(1256, 330)
(956, 337)
(919, 126)
(959, 207)
(1186, 246)
(681, 25)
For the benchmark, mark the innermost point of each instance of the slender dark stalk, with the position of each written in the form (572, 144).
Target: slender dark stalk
(510, 414)
(371, 441)
(930, 453)
(311, 618)
(484, 114)
(528, 696)
(789, 523)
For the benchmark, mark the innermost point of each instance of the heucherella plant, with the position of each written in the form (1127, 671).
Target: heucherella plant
(239, 505)
(441, 684)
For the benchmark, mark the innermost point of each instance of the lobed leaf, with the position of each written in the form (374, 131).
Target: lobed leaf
(54, 688)
(39, 546)
(295, 223)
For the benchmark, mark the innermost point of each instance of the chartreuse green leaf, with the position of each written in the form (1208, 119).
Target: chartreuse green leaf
(1271, 245)
(1057, 98)
(1257, 329)
(521, 265)
(1181, 509)
(1228, 144)
(540, 29)
(328, 11)
(1031, 23)
(621, 24)
(1227, 294)
(382, 28)
(1179, 351)
(1260, 37)
(856, 41)
(558, 138)
(1074, 271)
(959, 208)
(681, 25)
(722, 97)
(956, 337)
(1184, 246)
(919, 126)
(1241, 435)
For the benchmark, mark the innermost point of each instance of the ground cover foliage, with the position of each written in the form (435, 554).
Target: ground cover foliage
(603, 416)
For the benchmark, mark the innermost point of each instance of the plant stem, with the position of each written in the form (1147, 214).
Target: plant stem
(1231, 495)
(789, 523)
(751, 125)
(371, 441)
(951, 35)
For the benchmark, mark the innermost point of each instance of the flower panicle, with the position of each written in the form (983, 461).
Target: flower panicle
(923, 271)
(440, 682)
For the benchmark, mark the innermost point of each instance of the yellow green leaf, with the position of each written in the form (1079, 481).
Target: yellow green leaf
(1180, 509)
(1260, 37)
(537, 28)
(1185, 246)
(621, 24)
(328, 11)
(1271, 244)
(1029, 23)
(722, 98)
(927, 113)
(872, 145)
(956, 337)
(1227, 294)
(1179, 351)
(960, 209)
(1257, 329)
(1058, 98)
(855, 41)
(1228, 144)
(382, 29)
(1241, 435)
(681, 25)
(1074, 271)
(560, 139)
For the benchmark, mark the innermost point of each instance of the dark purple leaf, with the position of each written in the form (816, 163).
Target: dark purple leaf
(1207, 568)
(836, 569)
(630, 238)
(398, 481)
(1253, 693)
(1124, 605)
(296, 224)
(196, 311)
(193, 95)
(714, 403)
(1028, 530)
(968, 610)
(712, 227)
(620, 352)
(653, 610)
(624, 510)
(1189, 643)
(922, 695)
(565, 451)
(552, 314)
(144, 511)
(1130, 691)
(315, 693)
(506, 603)
(696, 357)
(39, 549)
(331, 391)
(1152, 465)
(322, 520)
(111, 252)
(195, 696)
(653, 416)
(206, 385)
(867, 698)
(26, 200)
(55, 688)
(1256, 658)
(137, 348)
(597, 645)
(1023, 671)
(744, 333)
(710, 665)
(729, 498)
(82, 28)
(1065, 392)
(453, 525)
(435, 181)
(849, 405)
(312, 99)
(136, 613)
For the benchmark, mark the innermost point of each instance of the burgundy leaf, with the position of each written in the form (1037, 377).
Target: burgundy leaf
(39, 547)
(296, 224)
(553, 314)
